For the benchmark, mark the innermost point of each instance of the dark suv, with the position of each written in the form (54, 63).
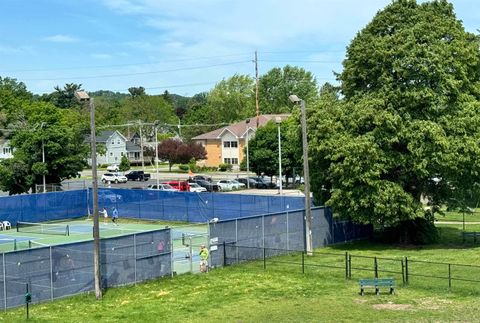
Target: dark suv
(249, 182)
(209, 186)
(263, 183)
(201, 178)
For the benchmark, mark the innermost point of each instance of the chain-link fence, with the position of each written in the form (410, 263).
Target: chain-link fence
(58, 271)
(279, 233)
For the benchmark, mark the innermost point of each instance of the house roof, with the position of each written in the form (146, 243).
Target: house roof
(131, 146)
(239, 129)
(106, 134)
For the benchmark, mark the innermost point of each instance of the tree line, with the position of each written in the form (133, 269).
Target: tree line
(401, 127)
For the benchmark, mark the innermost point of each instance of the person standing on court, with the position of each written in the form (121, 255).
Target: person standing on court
(114, 215)
(105, 215)
(203, 259)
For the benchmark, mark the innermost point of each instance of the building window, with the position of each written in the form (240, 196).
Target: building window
(118, 142)
(113, 142)
(111, 154)
(230, 144)
(230, 161)
(121, 153)
(7, 150)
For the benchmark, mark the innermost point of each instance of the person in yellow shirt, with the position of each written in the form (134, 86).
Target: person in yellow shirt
(203, 259)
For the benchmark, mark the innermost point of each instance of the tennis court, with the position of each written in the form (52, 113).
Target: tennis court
(32, 235)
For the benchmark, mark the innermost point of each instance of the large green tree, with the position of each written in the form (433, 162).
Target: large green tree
(408, 125)
(37, 124)
(277, 84)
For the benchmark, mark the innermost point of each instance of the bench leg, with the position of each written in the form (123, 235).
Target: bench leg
(392, 290)
(361, 291)
(377, 291)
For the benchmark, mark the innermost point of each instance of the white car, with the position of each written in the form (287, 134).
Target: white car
(161, 187)
(225, 185)
(194, 187)
(113, 168)
(237, 185)
(113, 178)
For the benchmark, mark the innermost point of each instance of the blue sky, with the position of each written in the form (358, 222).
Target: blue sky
(183, 46)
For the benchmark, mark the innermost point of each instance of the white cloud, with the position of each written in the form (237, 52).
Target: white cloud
(59, 38)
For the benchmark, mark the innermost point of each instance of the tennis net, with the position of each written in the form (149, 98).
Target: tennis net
(43, 228)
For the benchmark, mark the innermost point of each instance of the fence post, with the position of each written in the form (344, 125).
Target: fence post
(375, 267)
(403, 273)
(264, 259)
(51, 273)
(449, 276)
(303, 262)
(350, 266)
(224, 255)
(4, 281)
(346, 264)
(135, 258)
(406, 270)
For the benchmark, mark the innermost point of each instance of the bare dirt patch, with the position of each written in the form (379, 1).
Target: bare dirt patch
(393, 307)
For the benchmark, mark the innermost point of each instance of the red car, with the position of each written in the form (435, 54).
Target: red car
(180, 185)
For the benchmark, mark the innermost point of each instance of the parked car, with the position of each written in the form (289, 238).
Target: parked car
(237, 185)
(138, 175)
(253, 183)
(211, 187)
(194, 187)
(182, 186)
(225, 185)
(202, 178)
(263, 183)
(162, 187)
(113, 178)
(113, 168)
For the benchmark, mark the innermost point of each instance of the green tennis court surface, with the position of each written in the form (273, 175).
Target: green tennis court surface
(54, 233)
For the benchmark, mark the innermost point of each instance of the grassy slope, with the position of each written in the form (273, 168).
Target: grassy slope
(247, 293)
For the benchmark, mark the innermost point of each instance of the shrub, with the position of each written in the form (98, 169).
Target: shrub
(414, 231)
(225, 167)
(183, 167)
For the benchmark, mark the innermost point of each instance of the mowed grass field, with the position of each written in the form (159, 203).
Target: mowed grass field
(282, 293)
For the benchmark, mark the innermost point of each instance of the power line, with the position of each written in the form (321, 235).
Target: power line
(121, 65)
(138, 73)
(169, 86)
(299, 61)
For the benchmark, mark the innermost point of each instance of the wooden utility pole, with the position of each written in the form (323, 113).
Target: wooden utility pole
(256, 88)
(141, 145)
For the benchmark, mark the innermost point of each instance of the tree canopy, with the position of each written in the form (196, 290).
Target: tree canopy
(38, 126)
(407, 125)
(277, 84)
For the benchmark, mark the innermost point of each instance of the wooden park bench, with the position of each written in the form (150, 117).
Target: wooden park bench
(377, 283)
(475, 235)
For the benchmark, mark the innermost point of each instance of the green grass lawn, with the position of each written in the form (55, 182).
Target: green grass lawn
(458, 216)
(282, 293)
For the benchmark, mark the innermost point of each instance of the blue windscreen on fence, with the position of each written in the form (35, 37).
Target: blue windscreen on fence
(277, 233)
(43, 207)
(63, 270)
(192, 207)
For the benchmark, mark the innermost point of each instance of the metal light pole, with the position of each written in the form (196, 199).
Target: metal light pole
(248, 161)
(84, 97)
(278, 120)
(308, 211)
(43, 160)
(156, 155)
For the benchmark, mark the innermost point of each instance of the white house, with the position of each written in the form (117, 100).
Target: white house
(117, 146)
